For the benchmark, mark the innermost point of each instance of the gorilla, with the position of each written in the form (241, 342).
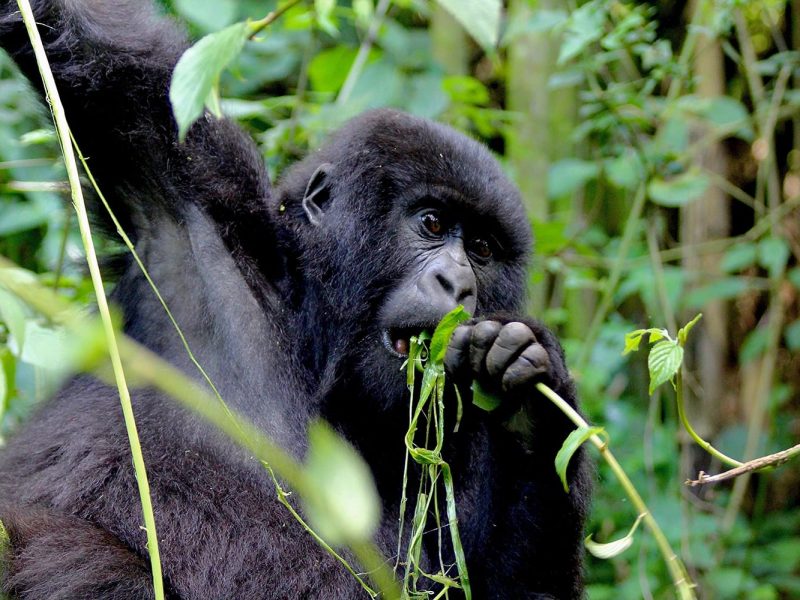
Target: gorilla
(299, 301)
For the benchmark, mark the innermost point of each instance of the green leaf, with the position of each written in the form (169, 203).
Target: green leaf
(739, 256)
(679, 190)
(364, 10)
(664, 361)
(773, 252)
(329, 68)
(209, 15)
(634, 338)
(483, 399)
(794, 277)
(569, 175)
(722, 289)
(683, 332)
(615, 548)
(574, 441)
(195, 82)
(480, 18)
(343, 504)
(585, 26)
(444, 331)
(792, 335)
(625, 171)
(13, 314)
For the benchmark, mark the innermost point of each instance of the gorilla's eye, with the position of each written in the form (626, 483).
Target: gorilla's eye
(433, 223)
(482, 248)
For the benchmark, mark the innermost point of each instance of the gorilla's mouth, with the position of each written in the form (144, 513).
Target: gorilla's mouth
(397, 340)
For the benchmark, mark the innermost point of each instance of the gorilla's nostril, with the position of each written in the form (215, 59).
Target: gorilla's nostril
(447, 286)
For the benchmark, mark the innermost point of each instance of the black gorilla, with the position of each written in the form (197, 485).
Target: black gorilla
(299, 303)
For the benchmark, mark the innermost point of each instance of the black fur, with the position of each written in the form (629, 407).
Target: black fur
(286, 312)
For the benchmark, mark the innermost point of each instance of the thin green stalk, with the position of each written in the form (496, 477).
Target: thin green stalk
(363, 53)
(62, 128)
(610, 287)
(678, 573)
(724, 458)
(257, 27)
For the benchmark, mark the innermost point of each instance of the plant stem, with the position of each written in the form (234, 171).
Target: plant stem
(257, 27)
(695, 436)
(680, 578)
(363, 53)
(62, 128)
(771, 460)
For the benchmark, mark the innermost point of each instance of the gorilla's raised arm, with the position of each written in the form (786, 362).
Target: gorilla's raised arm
(113, 63)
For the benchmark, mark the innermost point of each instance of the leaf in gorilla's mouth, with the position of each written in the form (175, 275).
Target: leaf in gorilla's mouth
(398, 339)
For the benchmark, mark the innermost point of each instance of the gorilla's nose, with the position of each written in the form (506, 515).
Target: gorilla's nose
(453, 283)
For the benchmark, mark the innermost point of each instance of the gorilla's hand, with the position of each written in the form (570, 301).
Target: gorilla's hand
(506, 358)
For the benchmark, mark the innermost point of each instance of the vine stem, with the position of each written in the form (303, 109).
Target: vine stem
(732, 462)
(363, 53)
(678, 573)
(62, 129)
(257, 27)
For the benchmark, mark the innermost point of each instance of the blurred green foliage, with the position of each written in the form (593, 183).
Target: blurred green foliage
(644, 125)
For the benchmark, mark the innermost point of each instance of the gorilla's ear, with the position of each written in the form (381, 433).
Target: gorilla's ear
(317, 194)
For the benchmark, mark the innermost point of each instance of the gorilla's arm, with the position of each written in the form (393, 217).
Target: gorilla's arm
(90, 561)
(113, 62)
(535, 527)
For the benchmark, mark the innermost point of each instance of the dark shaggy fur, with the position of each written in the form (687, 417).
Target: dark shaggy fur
(285, 318)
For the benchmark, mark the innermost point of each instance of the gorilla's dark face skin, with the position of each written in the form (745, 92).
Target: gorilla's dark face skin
(299, 302)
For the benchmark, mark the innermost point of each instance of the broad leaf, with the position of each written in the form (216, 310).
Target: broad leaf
(679, 190)
(569, 175)
(480, 18)
(773, 252)
(739, 256)
(444, 331)
(483, 399)
(664, 361)
(195, 82)
(343, 506)
(615, 548)
(574, 441)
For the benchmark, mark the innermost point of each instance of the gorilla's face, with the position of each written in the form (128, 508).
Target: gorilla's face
(400, 220)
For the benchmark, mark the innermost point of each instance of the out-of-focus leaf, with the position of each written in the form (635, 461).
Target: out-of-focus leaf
(615, 548)
(344, 506)
(195, 81)
(328, 69)
(792, 335)
(625, 171)
(209, 15)
(679, 190)
(722, 289)
(773, 252)
(574, 441)
(585, 26)
(13, 314)
(541, 21)
(663, 362)
(569, 175)
(739, 256)
(480, 18)
(754, 345)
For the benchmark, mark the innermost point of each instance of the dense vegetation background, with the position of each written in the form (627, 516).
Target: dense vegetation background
(657, 145)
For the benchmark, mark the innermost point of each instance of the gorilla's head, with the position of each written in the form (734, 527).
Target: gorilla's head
(392, 224)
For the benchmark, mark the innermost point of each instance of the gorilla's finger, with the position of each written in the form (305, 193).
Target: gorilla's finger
(456, 358)
(483, 336)
(530, 365)
(512, 338)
